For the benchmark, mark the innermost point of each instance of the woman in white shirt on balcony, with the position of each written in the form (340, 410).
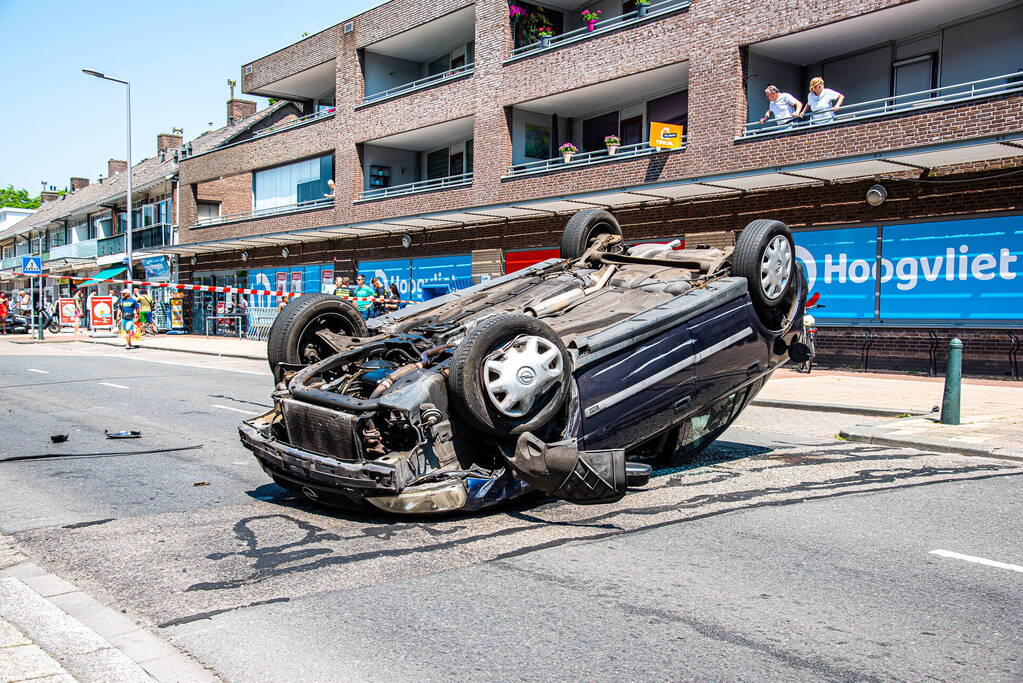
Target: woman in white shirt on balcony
(822, 102)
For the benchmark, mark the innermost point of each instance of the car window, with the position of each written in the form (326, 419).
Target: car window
(697, 429)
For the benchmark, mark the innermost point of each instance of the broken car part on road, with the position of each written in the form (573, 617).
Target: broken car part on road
(570, 377)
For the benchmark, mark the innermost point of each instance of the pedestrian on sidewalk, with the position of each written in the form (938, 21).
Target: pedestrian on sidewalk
(394, 298)
(380, 293)
(364, 294)
(127, 307)
(342, 286)
(79, 299)
(146, 312)
(5, 309)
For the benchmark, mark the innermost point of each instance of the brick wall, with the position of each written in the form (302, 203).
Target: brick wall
(233, 192)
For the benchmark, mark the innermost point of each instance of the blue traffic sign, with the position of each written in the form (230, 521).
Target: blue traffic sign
(31, 265)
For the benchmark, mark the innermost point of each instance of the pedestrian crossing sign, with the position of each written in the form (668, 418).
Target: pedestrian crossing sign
(31, 265)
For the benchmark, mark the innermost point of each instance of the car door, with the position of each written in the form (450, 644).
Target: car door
(729, 349)
(637, 391)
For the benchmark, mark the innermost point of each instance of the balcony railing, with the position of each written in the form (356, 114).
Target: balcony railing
(265, 213)
(436, 79)
(584, 159)
(10, 262)
(653, 11)
(445, 183)
(109, 246)
(899, 104)
(294, 123)
(85, 249)
(158, 235)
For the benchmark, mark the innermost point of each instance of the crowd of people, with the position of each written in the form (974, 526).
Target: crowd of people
(371, 300)
(21, 306)
(820, 107)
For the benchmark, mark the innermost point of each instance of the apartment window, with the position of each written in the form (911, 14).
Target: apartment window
(163, 212)
(207, 209)
(597, 128)
(58, 237)
(437, 164)
(8, 252)
(673, 109)
(915, 74)
(292, 183)
(439, 66)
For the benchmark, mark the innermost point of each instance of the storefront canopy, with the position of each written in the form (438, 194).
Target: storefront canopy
(102, 276)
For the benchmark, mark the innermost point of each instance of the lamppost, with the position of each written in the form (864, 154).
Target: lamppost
(131, 216)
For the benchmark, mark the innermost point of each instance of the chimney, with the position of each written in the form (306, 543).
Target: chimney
(116, 166)
(48, 196)
(239, 109)
(79, 183)
(167, 141)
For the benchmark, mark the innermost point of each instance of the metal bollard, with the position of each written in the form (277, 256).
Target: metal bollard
(953, 383)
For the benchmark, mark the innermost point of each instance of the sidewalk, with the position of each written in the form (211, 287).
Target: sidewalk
(230, 347)
(52, 631)
(991, 410)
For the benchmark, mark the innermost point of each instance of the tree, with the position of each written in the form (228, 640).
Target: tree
(19, 199)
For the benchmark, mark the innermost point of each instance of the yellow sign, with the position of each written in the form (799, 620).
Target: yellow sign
(63, 281)
(665, 135)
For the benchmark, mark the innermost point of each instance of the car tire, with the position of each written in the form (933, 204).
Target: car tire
(477, 386)
(583, 227)
(293, 337)
(766, 256)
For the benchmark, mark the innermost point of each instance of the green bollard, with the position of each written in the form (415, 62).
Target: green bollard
(953, 383)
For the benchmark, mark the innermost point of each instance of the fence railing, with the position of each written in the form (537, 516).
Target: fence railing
(85, 249)
(158, 235)
(10, 262)
(652, 11)
(110, 246)
(584, 159)
(259, 320)
(899, 104)
(263, 213)
(419, 186)
(301, 121)
(435, 79)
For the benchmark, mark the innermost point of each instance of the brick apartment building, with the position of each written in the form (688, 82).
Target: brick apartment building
(439, 125)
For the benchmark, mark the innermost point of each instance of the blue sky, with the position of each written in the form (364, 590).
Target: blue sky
(57, 122)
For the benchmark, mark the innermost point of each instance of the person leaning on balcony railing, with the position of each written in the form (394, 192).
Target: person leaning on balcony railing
(783, 106)
(822, 102)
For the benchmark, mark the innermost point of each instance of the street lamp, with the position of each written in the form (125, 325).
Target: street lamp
(131, 217)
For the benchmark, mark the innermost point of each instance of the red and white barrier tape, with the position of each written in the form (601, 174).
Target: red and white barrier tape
(218, 289)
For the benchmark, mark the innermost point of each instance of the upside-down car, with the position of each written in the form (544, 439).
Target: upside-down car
(570, 377)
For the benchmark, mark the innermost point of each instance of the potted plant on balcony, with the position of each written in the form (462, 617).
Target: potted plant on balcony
(642, 7)
(591, 17)
(612, 142)
(568, 150)
(545, 33)
(517, 13)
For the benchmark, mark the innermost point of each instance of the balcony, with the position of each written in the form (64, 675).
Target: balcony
(899, 104)
(429, 81)
(111, 249)
(430, 54)
(437, 157)
(624, 107)
(906, 58)
(326, 113)
(533, 44)
(84, 250)
(445, 183)
(297, 207)
(585, 159)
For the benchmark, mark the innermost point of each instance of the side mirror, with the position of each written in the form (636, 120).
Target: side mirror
(799, 352)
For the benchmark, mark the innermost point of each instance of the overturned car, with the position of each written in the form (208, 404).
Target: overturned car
(571, 377)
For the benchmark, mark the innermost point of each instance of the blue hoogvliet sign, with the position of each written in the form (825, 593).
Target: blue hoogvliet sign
(31, 265)
(157, 268)
(414, 276)
(961, 270)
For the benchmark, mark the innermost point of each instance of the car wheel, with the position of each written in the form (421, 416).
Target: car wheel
(765, 255)
(583, 227)
(293, 337)
(510, 375)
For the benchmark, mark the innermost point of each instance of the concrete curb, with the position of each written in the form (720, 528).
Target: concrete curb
(198, 352)
(838, 408)
(883, 437)
(89, 640)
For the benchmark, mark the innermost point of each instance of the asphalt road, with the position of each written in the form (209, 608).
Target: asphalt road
(782, 554)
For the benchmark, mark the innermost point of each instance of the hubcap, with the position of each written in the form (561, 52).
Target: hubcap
(519, 372)
(776, 267)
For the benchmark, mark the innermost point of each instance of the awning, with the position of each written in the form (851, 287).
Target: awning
(102, 276)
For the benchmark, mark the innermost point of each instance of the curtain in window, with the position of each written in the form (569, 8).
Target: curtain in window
(279, 186)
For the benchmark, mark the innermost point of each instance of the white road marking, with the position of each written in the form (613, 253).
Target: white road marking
(115, 386)
(237, 410)
(41, 372)
(978, 560)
